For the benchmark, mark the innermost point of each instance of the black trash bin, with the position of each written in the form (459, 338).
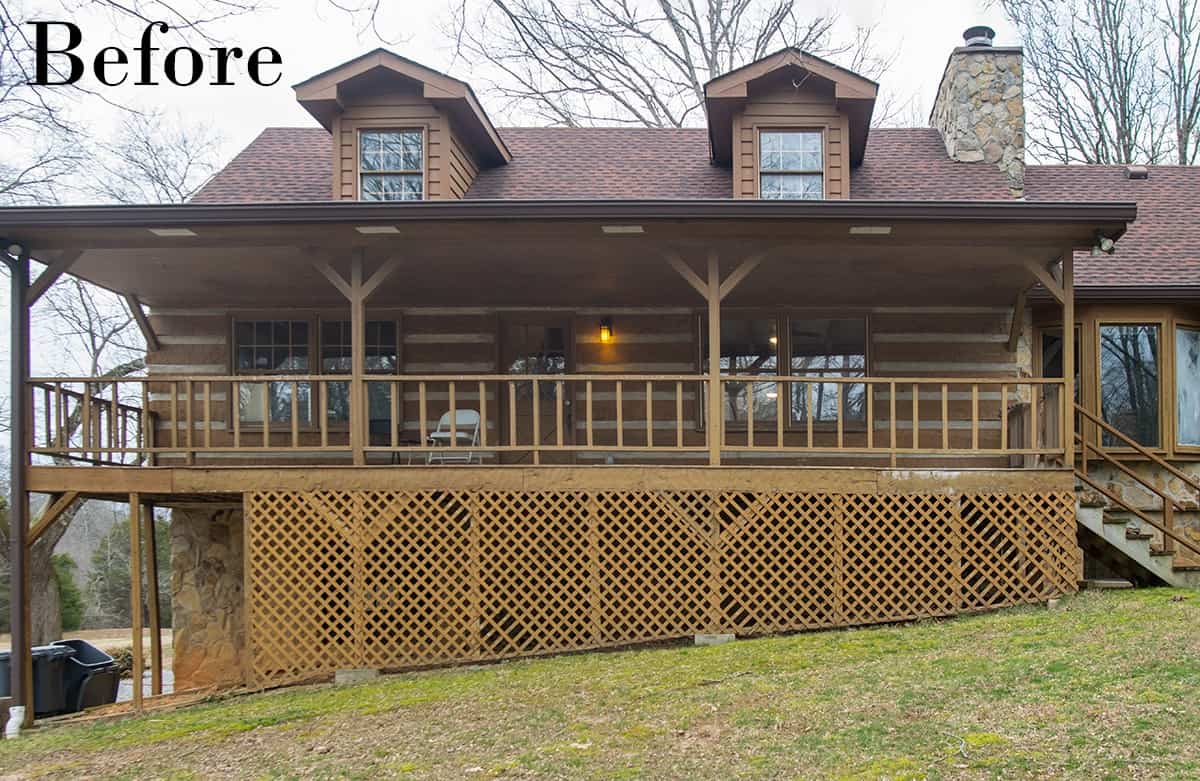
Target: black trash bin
(92, 677)
(49, 678)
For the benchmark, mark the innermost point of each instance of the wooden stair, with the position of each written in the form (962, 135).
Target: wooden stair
(1121, 533)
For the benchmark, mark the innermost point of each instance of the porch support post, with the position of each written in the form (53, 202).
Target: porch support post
(716, 420)
(358, 359)
(135, 594)
(356, 291)
(1068, 305)
(18, 367)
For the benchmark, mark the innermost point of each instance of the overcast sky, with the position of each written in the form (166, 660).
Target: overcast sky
(312, 36)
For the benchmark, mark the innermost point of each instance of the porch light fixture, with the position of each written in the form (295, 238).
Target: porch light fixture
(606, 330)
(172, 233)
(1103, 246)
(870, 230)
(14, 249)
(622, 230)
(377, 230)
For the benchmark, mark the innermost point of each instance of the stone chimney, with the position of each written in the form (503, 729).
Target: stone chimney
(980, 107)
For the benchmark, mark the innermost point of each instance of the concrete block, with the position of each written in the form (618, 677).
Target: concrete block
(714, 639)
(351, 677)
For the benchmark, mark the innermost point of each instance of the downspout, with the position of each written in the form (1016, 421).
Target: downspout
(16, 257)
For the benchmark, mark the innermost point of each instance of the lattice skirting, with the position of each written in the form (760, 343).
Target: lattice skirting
(391, 580)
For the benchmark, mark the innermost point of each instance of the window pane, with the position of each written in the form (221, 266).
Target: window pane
(279, 401)
(749, 347)
(391, 150)
(829, 348)
(790, 150)
(392, 187)
(798, 187)
(1187, 378)
(1129, 363)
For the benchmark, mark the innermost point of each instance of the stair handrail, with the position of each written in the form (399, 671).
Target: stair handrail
(1169, 503)
(1106, 426)
(1167, 528)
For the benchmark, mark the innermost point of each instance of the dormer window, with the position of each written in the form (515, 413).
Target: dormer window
(391, 165)
(791, 165)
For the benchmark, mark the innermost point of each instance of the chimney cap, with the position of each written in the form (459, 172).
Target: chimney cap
(1137, 172)
(979, 35)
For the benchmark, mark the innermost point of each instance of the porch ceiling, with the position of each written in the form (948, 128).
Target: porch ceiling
(550, 254)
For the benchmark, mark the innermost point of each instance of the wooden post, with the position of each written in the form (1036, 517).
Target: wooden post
(153, 597)
(135, 595)
(716, 420)
(358, 351)
(1068, 355)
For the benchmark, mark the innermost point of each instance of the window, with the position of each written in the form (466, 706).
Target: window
(829, 348)
(791, 165)
(1129, 372)
(336, 358)
(272, 347)
(1187, 394)
(391, 165)
(749, 346)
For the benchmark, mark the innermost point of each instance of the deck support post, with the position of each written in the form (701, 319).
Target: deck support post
(21, 668)
(135, 595)
(1068, 356)
(152, 596)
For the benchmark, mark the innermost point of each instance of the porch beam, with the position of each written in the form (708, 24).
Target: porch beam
(740, 273)
(51, 275)
(689, 276)
(143, 322)
(1068, 362)
(1043, 275)
(1018, 321)
(380, 274)
(57, 505)
(334, 277)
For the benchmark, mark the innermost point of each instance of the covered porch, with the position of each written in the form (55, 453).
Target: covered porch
(562, 333)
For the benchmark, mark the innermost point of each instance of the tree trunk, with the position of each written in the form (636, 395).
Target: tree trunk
(44, 604)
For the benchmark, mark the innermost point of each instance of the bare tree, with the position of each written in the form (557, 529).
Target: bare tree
(1181, 71)
(155, 160)
(636, 62)
(1096, 79)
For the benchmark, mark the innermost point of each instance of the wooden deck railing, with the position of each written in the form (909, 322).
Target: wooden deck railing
(543, 418)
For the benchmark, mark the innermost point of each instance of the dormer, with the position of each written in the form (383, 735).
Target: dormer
(401, 131)
(791, 126)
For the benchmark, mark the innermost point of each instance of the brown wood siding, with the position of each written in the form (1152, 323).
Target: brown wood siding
(784, 106)
(462, 167)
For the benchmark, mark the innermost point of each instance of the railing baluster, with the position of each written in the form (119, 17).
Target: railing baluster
(174, 416)
(512, 414)
(207, 415)
(678, 414)
(234, 404)
(422, 413)
(1004, 416)
(323, 411)
(779, 413)
(266, 414)
(483, 421)
(840, 426)
(620, 417)
(46, 417)
(893, 445)
(649, 413)
(1033, 416)
(537, 422)
(296, 415)
(750, 393)
(143, 438)
(451, 393)
(558, 413)
(916, 416)
(975, 416)
(86, 415)
(945, 416)
(808, 411)
(587, 404)
(869, 389)
(393, 414)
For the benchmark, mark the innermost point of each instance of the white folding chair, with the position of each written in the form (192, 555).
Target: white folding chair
(466, 431)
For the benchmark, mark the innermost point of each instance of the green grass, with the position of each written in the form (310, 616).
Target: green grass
(1105, 687)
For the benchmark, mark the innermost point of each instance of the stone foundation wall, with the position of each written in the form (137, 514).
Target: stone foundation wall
(206, 597)
(1187, 523)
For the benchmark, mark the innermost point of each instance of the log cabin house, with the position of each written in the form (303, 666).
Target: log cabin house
(422, 390)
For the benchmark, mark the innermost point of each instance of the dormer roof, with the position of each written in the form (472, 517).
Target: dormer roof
(322, 96)
(727, 94)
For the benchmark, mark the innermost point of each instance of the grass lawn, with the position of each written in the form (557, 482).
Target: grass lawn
(1108, 686)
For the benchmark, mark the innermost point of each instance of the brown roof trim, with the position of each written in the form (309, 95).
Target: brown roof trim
(1135, 292)
(187, 215)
